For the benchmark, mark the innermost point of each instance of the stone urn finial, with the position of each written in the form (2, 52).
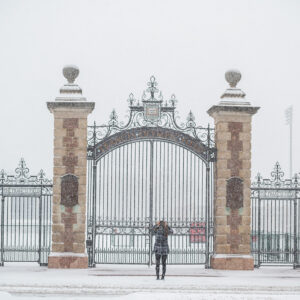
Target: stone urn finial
(70, 72)
(233, 77)
(70, 91)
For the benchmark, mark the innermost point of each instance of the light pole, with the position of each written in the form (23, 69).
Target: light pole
(289, 121)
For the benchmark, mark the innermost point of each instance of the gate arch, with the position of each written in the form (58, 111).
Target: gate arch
(151, 133)
(149, 169)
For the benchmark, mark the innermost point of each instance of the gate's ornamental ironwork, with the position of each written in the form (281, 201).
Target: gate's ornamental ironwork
(25, 216)
(157, 114)
(275, 219)
(148, 169)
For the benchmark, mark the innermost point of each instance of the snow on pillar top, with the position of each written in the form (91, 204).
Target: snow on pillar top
(70, 91)
(233, 95)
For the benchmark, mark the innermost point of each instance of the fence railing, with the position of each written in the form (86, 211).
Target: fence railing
(275, 232)
(25, 216)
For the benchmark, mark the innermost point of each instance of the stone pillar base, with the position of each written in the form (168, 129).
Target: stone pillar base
(67, 260)
(232, 262)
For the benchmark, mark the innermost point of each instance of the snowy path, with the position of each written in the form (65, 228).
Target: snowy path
(138, 282)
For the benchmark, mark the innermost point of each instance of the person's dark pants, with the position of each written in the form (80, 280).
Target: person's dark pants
(164, 263)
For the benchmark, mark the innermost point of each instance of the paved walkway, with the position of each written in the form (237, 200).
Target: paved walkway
(123, 281)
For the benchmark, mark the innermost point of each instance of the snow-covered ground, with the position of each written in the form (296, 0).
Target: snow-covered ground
(25, 281)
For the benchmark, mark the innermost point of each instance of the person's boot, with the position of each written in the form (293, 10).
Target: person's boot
(164, 272)
(157, 272)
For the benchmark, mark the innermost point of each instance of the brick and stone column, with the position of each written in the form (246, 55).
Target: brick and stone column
(70, 112)
(232, 178)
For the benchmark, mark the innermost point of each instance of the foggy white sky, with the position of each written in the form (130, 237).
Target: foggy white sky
(118, 45)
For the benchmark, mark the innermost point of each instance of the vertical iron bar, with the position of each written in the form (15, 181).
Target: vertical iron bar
(207, 225)
(151, 204)
(2, 223)
(291, 142)
(104, 214)
(15, 227)
(94, 199)
(271, 227)
(23, 209)
(134, 186)
(171, 196)
(19, 223)
(115, 184)
(40, 223)
(176, 187)
(130, 190)
(156, 185)
(259, 229)
(207, 202)
(2, 229)
(119, 198)
(134, 204)
(277, 232)
(146, 209)
(139, 182)
(142, 180)
(295, 231)
(159, 200)
(123, 190)
(298, 225)
(110, 202)
(167, 185)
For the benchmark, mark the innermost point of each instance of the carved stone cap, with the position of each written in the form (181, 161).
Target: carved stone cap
(67, 106)
(251, 110)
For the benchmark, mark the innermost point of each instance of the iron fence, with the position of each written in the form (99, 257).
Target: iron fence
(25, 221)
(275, 219)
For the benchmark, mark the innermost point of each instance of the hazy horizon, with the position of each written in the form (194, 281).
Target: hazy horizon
(187, 45)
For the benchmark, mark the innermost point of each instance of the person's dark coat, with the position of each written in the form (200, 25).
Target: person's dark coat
(161, 246)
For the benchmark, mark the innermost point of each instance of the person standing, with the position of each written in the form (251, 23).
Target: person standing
(161, 247)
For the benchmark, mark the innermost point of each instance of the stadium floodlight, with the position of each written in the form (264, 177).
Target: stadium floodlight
(289, 121)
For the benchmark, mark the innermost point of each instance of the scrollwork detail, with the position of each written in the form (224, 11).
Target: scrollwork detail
(277, 180)
(168, 118)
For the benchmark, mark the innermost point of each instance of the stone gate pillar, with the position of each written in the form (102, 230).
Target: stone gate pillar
(70, 110)
(232, 178)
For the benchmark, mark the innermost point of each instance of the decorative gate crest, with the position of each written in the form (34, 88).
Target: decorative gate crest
(151, 105)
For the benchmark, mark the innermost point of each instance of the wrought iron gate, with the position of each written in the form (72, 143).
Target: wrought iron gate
(146, 170)
(25, 216)
(275, 219)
